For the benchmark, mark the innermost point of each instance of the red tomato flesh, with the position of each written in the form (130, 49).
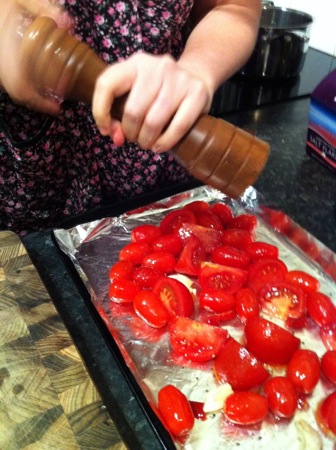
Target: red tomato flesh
(245, 408)
(149, 307)
(196, 341)
(304, 370)
(175, 296)
(175, 410)
(175, 219)
(282, 396)
(237, 366)
(191, 257)
(269, 342)
(282, 300)
(328, 365)
(265, 270)
(217, 276)
(326, 417)
(209, 237)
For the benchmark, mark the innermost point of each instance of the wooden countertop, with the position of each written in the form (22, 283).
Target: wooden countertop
(47, 399)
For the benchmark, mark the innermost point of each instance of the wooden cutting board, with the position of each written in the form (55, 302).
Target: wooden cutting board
(47, 399)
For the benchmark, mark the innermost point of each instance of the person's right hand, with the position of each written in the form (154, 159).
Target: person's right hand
(14, 75)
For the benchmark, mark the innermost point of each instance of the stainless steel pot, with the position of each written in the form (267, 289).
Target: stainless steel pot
(281, 45)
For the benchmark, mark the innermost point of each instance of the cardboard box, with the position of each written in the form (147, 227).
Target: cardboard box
(321, 137)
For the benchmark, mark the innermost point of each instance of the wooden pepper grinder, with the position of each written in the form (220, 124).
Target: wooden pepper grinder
(213, 151)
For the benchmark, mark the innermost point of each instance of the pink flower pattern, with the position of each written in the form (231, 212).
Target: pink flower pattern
(52, 168)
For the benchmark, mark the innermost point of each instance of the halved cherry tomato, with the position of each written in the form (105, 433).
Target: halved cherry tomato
(191, 257)
(209, 237)
(123, 291)
(209, 220)
(265, 270)
(282, 396)
(121, 269)
(223, 212)
(216, 300)
(235, 365)
(175, 296)
(304, 280)
(244, 221)
(176, 410)
(230, 256)
(216, 276)
(282, 300)
(134, 252)
(197, 206)
(247, 304)
(174, 219)
(321, 309)
(257, 250)
(326, 417)
(162, 261)
(168, 243)
(237, 237)
(304, 370)
(245, 408)
(195, 340)
(328, 336)
(269, 342)
(150, 308)
(328, 365)
(145, 277)
(145, 233)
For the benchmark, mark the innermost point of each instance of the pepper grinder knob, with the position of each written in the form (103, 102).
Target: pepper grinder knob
(214, 151)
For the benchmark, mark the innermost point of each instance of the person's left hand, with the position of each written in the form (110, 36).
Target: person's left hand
(164, 100)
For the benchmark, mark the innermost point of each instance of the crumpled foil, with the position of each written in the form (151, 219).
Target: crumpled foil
(94, 247)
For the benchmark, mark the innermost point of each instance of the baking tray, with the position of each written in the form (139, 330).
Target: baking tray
(94, 246)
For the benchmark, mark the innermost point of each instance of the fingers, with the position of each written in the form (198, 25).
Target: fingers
(163, 101)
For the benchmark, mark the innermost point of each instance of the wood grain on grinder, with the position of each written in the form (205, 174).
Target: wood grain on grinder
(47, 399)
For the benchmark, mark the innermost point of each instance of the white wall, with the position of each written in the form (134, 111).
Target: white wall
(323, 31)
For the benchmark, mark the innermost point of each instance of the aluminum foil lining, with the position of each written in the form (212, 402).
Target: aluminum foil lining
(94, 247)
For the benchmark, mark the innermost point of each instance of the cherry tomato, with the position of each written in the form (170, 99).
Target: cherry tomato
(326, 417)
(197, 206)
(247, 304)
(121, 269)
(245, 408)
(150, 308)
(123, 291)
(209, 220)
(134, 252)
(282, 396)
(304, 370)
(216, 300)
(282, 300)
(269, 342)
(223, 212)
(235, 365)
(304, 280)
(278, 220)
(168, 243)
(216, 276)
(174, 219)
(145, 277)
(265, 270)
(162, 261)
(145, 233)
(230, 256)
(321, 309)
(176, 410)
(328, 365)
(175, 296)
(209, 237)
(328, 336)
(244, 221)
(195, 340)
(257, 250)
(191, 257)
(237, 237)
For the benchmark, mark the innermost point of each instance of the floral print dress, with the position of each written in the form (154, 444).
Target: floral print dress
(52, 168)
